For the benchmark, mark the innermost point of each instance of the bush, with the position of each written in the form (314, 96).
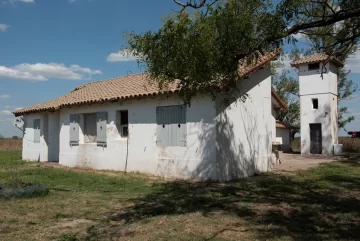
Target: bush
(25, 190)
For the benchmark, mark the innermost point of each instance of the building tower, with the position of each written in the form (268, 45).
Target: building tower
(318, 90)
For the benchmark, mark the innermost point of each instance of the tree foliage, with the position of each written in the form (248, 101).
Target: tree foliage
(200, 45)
(326, 40)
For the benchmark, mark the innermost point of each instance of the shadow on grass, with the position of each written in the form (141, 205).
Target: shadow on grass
(299, 209)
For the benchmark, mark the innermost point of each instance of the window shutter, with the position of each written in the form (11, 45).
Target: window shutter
(101, 118)
(182, 127)
(37, 130)
(74, 129)
(171, 125)
(160, 125)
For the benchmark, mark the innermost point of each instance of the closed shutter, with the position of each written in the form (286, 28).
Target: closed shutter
(160, 125)
(171, 125)
(37, 130)
(74, 129)
(101, 121)
(182, 127)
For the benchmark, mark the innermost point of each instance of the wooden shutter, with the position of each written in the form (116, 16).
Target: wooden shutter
(160, 125)
(182, 127)
(74, 129)
(101, 121)
(37, 130)
(171, 125)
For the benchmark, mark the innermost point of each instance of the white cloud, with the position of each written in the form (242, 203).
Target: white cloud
(4, 27)
(23, 1)
(42, 72)
(122, 56)
(72, 1)
(19, 108)
(4, 96)
(353, 62)
(5, 112)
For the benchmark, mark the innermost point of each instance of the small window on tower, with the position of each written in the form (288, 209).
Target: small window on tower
(315, 104)
(314, 66)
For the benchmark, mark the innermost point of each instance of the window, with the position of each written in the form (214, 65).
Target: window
(90, 128)
(315, 104)
(122, 122)
(314, 66)
(37, 130)
(171, 125)
(93, 126)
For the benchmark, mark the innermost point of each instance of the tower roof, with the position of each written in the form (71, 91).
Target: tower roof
(316, 58)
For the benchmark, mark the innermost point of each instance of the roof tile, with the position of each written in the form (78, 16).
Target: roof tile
(316, 58)
(128, 87)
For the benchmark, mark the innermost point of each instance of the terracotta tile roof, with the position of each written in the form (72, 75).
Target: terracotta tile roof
(316, 58)
(278, 99)
(126, 88)
(283, 125)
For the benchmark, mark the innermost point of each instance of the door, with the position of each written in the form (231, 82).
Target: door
(315, 139)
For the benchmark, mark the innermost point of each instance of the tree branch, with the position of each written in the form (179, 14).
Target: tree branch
(328, 20)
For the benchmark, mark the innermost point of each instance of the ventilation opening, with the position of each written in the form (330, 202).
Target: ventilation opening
(315, 104)
(314, 66)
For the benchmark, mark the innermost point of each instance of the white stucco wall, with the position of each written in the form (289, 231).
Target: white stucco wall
(48, 147)
(273, 120)
(140, 151)
(223, 142)
(311, 85)
(283, 137)
(244, 130)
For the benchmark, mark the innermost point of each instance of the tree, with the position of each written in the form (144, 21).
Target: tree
(322, 39)
(201, 45)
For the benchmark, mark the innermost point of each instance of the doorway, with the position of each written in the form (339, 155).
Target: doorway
(315, 139)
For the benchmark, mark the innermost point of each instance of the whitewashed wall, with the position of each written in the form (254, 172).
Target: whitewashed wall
(139, 152)
(311, 85)
(31, 150)
(223, 142)
(283, 137)
(48, 147)
(244, 130)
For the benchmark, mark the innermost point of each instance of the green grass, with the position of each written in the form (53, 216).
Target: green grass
(317, 204)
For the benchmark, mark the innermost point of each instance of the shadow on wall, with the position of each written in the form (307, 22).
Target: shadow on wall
(240, 151)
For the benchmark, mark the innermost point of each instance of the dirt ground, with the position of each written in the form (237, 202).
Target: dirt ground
(293, 162)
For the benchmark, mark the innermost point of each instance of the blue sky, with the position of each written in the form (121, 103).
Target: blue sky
(48, 47)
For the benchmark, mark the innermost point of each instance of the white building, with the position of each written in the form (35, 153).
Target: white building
(126, 124)
(283, 135)
(318, 90)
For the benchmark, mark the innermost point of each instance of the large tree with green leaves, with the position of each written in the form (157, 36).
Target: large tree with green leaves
(202, 43)
(323, 39)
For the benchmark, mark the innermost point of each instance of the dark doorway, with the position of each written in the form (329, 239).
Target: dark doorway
(315, 139)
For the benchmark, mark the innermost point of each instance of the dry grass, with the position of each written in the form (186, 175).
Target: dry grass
(350, 144)
(10, 145)
(318, 204)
